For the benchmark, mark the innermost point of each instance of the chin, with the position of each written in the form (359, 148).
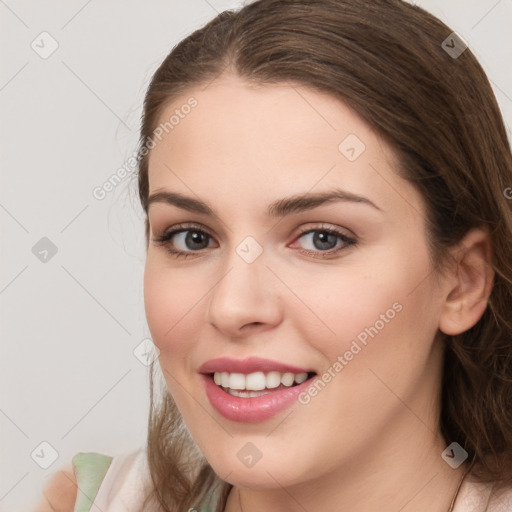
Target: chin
(270, 474)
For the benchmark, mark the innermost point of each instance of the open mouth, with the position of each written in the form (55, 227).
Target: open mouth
(258, 383)
(255, 396)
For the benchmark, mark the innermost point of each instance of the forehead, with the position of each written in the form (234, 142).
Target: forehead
(233, 109)
(244, 141)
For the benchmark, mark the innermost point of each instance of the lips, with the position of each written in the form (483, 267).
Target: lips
(253, 408)
(249, 365)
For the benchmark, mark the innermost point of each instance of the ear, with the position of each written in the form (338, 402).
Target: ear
(470, 281)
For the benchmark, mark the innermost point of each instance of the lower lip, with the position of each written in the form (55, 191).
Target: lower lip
(252, 409)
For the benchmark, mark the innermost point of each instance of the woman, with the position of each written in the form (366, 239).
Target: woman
(328, 275)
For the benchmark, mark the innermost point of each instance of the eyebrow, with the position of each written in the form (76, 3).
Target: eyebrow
(280, 208)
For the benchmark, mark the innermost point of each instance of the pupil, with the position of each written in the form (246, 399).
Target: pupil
(194, 237)
(324, 240)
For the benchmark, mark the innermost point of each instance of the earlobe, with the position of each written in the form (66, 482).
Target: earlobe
(471, 283)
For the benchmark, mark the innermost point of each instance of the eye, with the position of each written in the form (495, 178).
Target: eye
(184, 240)
(324, 242)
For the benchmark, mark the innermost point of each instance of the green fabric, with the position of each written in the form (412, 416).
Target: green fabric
(90, 469)
(210, 503)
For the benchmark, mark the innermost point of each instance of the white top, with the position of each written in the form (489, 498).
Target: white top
(476, 497)
(127, 480)
(125, 484)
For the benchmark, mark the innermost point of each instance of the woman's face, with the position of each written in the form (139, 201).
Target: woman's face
(359, 308)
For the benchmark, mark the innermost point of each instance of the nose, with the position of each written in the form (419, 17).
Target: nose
(245, 299)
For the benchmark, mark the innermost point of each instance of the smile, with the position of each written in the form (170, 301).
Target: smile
(253, 389)
(257, 383)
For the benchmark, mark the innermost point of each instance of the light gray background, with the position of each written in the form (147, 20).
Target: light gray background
(69, 376)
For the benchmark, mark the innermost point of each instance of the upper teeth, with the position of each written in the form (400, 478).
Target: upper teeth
(258, 380)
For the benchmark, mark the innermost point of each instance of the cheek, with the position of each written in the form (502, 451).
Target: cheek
(171, 300)
(384, 302)
(394, 327)
(172, 303)
(354, 298)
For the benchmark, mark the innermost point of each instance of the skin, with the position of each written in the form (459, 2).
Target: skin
(369, 440)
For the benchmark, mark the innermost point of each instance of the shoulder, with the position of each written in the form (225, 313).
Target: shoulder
(501, 500)
(475, 495)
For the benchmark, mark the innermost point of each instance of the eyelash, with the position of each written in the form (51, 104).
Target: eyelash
(180, 228)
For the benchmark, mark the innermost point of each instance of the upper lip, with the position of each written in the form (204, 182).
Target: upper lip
(249, 365)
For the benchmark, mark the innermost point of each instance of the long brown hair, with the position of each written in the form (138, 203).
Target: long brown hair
(384, 59)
